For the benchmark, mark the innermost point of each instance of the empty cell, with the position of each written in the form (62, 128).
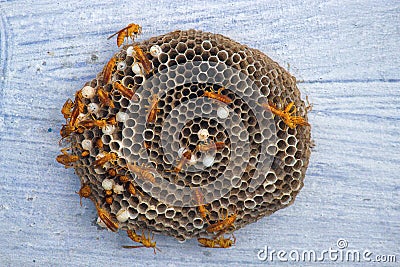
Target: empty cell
(88, 135)
(249, 203)
(169, 213)
(211, 72)
(282, 144)
(189, 54)
(181, 47)
(151, 214)
(235, 58)
(138, 79)
(196, 71)
(198, 50)
(171, 83)
(222, 55)
(202, 77)
(228, 74)
(285, 200)
(114, 145)
(148, 135)
(181, 59)
(206, 45)
(298, 165)
(106, 139)
(290, 150)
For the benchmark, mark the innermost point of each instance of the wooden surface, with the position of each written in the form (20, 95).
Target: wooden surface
(346, 54)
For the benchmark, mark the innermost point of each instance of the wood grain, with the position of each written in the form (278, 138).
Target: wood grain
(346, 56)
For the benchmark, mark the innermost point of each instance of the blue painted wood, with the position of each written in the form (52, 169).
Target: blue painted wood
(346, 56)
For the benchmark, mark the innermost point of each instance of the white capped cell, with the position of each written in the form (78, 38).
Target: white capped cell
(122, 215)
(208, 160)
(88, 92)
(93, 108)
(121, 65)
(136, 68)
(223, 112)
(107, 184)
(203, 135)
(87, 144)
(121, 116)
(155, 50)
(118, 189)
(108, 129)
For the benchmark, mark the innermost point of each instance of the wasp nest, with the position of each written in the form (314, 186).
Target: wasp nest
(200, 129)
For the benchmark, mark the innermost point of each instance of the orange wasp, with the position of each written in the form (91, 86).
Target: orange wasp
(99, 143)
(129, 31)
(153, 109)
(74, 116)
(78, 108)
(112, 120)
(226, 242)
(109, 200)
(287, 115)
(108, 192)
(108, 69)
(131, 188)
(218, 96)
(85, 153)
(186, 156)
(108, 157)
(85, 191)
(89, 124)
(222, 225)
(66, 109)
(209, 243)
(124, 178)
(129, 185)
(217, 243)
(146, 242)
(141, 57)
(66, 130)
(126, 92)
(105, 217)
(200, 201)
(67, 159)
(104, 98)
(142, 171)
(210, 146)
(132, 235)
(112, 172)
